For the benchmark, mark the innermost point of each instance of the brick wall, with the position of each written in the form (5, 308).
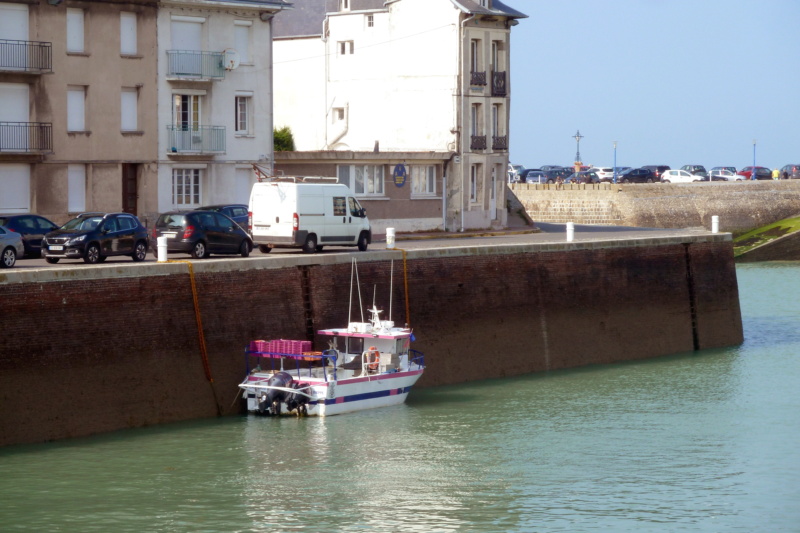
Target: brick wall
(741, 206)
(117, 346)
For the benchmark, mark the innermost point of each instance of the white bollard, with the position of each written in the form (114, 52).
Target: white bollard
(389, 238)
(162, 249)
(570, 231)
(715, 224)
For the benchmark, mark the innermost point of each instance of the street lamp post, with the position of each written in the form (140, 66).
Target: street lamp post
(615, 161)
(578, 138)
(753, 172)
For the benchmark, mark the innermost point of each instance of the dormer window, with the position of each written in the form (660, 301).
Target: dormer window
(344, 5)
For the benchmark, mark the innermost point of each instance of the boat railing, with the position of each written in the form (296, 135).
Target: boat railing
(415, 357)
(321, 357)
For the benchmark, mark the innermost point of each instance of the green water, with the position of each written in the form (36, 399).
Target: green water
(706, 441)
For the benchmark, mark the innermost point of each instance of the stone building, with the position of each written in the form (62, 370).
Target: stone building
(407, 101)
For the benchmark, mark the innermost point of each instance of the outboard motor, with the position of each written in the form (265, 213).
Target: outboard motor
(295, 400)
(269, 400)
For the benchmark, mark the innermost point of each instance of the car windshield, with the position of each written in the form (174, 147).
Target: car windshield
(83, 223)
(172, 220)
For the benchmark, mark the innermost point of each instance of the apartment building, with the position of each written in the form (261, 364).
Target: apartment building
(407, 101)
(76, 81)
(215, 99)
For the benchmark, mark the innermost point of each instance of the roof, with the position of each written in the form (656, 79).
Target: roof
(498, 8)
(258, 4)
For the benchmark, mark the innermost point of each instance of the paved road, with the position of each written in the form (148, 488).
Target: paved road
(549, 233)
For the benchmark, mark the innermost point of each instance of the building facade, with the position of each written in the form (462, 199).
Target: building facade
(407, 101)
(76, 82)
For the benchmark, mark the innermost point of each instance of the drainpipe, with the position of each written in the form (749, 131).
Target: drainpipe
(463, 114)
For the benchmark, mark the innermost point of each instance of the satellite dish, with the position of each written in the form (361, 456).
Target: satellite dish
(230, 59)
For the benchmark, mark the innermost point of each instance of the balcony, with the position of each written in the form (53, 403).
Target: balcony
(477, 142)
(31, 57)
(499, 84)
(477, 78)
(26, 137)
(196, 140)
(500, 143)
(191, 65)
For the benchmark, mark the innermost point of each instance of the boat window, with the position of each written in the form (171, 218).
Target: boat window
(355, 345)
(402, 346)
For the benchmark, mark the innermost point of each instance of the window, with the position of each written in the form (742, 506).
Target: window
(423, 180)
(495, 120)
(474, 119)
(344, 5)
(362, 179)
(345, 48)
(76, 108)
(243, 106)
(186, 187)
(129, 107)
(76, 188)
(75, 39)
(241, 39)
(473, 56)
(186, 111)
(370, 20)
(338, 114)
(127, 34)
(473, 183)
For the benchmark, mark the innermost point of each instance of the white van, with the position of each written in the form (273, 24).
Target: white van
(306, 215)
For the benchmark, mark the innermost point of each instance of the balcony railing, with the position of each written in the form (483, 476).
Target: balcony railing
(499, 84)
(477, 142)
(188, 64)
(26, 56)
(477, 78)
(26, 137)
(196, 139)
(500, 143)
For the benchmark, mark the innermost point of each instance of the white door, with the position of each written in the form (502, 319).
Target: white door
(14, 22)
(15, 188)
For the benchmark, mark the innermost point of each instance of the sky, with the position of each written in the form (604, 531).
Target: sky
(674, 82)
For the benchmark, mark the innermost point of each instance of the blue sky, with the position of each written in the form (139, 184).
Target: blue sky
(675, 82)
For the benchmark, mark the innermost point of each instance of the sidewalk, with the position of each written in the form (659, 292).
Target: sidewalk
(516, 226)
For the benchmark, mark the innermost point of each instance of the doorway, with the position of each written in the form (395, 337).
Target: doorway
(130, 192)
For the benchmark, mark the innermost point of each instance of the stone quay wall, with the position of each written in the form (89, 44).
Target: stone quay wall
(91, 350)
(741, 206)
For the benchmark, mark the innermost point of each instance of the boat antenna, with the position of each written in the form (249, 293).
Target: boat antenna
(391, 284)
(358, 285)
(350, 307)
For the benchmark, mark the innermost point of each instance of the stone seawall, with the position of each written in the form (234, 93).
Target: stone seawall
(88, 350)
(741, 206)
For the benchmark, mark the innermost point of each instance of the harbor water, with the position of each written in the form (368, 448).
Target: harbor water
(706, 441)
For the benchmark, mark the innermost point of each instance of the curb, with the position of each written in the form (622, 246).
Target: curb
(451, 235)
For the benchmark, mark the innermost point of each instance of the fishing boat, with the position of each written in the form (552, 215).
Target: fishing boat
(366, 365)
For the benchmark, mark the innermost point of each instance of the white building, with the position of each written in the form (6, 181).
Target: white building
(214, 99)
(405, 100)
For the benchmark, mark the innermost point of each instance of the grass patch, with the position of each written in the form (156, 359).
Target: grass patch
(747, 241)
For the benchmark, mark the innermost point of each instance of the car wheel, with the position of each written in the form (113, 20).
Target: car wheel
(199, 250)
(244, 249)
(264, 249)
(363, 242)
(550, 182)
(311, 244)
(649, 180)
(665, 181)
(625, 180)
(92, 254)
(9, 258)
(52, 260)
(140, 252)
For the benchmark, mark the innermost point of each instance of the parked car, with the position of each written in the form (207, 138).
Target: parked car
(791, 172)
(697, 170)
(11, 247)
(636, 175)
(604, 173)
(584, 176)
(550, 167)
(535, 176)
(610, 178)
(723, 174)
(32, 228)
(657, 170)
(513, 173)
(762, 173)
(95, 236)
(554, 173)
(679, 176)
(238, 212)
(200, 233)
(729, 169)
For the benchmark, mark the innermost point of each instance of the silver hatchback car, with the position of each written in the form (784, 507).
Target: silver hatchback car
(10, 247)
